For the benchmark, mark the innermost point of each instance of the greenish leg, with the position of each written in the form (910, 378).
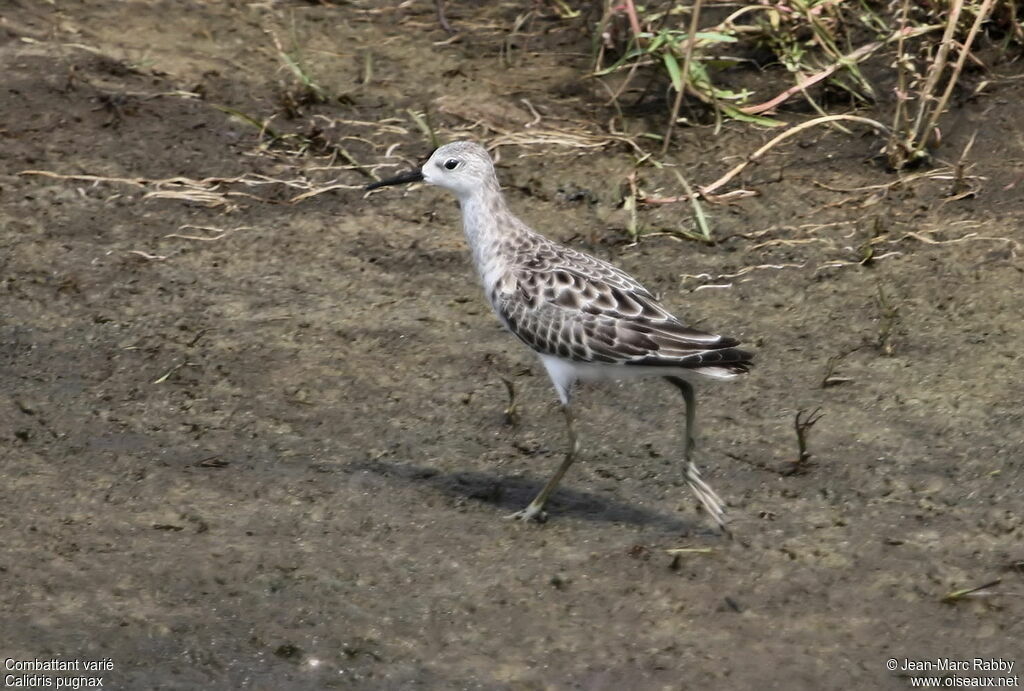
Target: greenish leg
(535, 511)
(709, 499)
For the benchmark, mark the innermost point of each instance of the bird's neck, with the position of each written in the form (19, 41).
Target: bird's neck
(492, 232)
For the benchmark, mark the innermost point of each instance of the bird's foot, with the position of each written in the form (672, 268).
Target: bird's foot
(709, 499)
(530, 513)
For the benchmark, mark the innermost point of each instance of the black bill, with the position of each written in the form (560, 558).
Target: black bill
(411, 176)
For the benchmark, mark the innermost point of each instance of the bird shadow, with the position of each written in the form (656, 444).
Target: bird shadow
(513, 493)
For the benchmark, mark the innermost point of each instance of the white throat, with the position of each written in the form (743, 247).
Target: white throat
(481, 213)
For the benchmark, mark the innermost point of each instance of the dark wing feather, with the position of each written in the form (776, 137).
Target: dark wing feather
(589, 311)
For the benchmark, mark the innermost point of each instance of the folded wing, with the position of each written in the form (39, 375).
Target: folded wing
(605, 316)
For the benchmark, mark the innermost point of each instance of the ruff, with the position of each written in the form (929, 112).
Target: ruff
(583, 317)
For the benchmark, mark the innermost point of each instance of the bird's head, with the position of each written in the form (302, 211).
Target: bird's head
(461, 167)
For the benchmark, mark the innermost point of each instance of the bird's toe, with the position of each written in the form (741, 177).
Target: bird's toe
(530, 513)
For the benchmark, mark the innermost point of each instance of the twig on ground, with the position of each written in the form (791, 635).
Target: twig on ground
(802, 423)
(442, 19)
(979, 591)
(698, 210)
(889, 317)
(778, 139)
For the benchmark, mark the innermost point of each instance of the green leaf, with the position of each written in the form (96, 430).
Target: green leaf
(716, 37)
(698, 74)
(656, 43)
(737, 114)
(731, 95)
(632, 53)
(672, 65)
(712, 36)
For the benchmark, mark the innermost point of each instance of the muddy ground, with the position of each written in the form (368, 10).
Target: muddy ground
(253, 427)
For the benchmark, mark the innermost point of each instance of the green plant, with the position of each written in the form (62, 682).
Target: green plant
(804, 35)
(687, 56)
(919, 101)
(819, 42)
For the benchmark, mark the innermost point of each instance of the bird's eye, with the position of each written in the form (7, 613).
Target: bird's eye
(451, 164)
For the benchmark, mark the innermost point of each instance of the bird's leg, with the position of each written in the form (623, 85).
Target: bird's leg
(711, 502)
(535, 511)
(512, 410)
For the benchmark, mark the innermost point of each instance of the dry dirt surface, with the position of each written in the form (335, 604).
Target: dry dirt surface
(253, 421)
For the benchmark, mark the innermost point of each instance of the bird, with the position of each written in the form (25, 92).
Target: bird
(585, 318)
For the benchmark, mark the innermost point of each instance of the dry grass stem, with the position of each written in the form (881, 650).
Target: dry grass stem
(778, 139)
(691, 41)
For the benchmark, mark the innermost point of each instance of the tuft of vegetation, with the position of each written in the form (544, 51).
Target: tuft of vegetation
(918, 52)
(927, 74)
